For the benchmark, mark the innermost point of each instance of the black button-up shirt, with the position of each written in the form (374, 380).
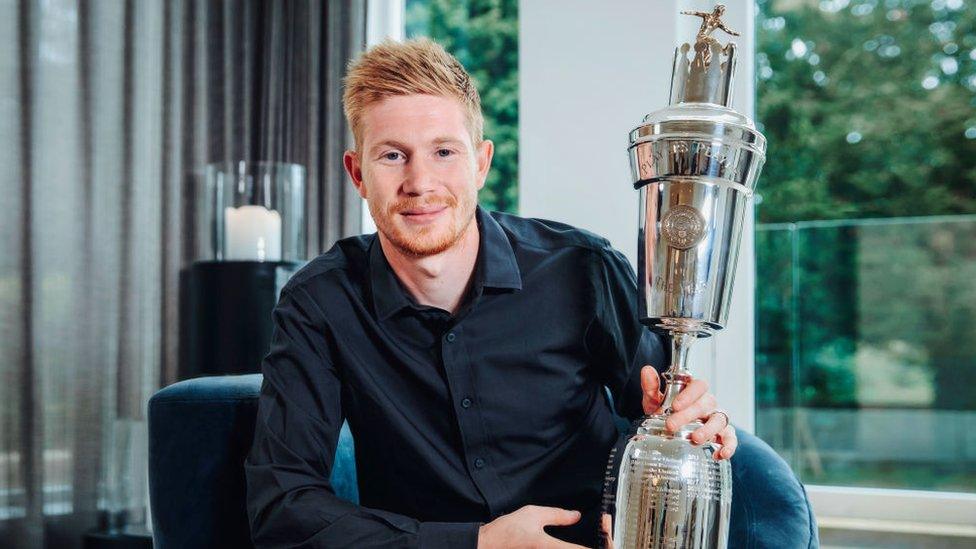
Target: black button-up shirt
(457, 419)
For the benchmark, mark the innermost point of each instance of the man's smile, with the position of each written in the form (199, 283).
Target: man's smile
(423, 215)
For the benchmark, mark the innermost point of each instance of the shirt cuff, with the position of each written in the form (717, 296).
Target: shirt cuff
(449, 535)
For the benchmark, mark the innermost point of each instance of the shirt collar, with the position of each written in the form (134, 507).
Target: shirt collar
(495, 267)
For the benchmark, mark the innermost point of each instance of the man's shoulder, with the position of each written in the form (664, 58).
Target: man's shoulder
(348, 258)
(548, 234)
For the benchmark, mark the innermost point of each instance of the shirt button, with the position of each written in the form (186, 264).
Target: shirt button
(466, 403)
(479, 463)
(451, 337)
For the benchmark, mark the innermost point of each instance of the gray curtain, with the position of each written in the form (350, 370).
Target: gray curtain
(110, 111)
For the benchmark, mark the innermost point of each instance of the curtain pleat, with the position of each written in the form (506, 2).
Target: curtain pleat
(112, 109)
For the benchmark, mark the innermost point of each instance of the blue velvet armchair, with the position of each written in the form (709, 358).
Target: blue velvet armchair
(200, 431)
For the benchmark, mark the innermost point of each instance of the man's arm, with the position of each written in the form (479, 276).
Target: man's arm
(290, 502)
(619, 344)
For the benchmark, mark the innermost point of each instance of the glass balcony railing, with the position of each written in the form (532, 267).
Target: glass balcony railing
(866, 350)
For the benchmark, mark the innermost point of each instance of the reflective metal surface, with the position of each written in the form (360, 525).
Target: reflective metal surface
(669, 493)
(695, 164)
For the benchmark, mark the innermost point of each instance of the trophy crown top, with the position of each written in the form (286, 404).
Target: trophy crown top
(707, 78)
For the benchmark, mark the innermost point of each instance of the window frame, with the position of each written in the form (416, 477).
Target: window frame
(894, 511)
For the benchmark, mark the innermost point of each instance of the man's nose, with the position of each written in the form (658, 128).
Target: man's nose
(420, 177)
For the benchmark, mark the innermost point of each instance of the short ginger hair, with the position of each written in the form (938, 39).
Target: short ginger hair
(418, 66)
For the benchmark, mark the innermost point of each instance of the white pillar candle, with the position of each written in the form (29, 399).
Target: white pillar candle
(252, 233)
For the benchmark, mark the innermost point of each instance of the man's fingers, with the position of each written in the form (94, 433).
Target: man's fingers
(651, 385)
(650, 380)
(729, 442)
(698, 409)
(554, 516)
(652, 405)
(689, 394)
(557, 517)
(715, 424)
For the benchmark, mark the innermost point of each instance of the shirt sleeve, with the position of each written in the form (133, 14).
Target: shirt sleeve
(290, 501)
(618, 343)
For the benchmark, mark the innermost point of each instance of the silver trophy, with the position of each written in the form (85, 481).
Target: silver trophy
(695, 164)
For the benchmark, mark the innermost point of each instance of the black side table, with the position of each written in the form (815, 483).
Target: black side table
(225, 314)
(118, 539)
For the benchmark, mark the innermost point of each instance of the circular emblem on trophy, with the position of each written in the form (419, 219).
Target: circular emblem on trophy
(683, 226)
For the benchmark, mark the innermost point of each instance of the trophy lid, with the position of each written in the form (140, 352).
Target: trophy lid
(695, 119)
(707, 78)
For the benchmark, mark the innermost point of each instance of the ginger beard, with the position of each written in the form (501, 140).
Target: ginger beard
(424, 239)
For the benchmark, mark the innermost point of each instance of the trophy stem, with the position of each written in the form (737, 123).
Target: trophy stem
(678, 376)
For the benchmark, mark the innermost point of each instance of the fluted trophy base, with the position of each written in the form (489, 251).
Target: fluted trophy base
(666, 492)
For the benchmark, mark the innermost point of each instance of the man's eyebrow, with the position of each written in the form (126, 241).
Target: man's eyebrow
(451, 140)
(398, 145)
(388, 143)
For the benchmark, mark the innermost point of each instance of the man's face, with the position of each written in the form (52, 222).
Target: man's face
(419, 171)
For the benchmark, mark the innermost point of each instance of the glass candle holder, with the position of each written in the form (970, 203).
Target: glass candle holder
(256, 211)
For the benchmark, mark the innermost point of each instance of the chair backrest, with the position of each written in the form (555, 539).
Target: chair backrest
(200, 431)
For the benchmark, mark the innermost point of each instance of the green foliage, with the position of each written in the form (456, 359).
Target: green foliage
(869, 108)
(483, 35)
(870, 111)
(852, 130)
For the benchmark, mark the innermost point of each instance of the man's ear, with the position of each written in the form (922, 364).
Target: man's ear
(483, 156)
(355, 170)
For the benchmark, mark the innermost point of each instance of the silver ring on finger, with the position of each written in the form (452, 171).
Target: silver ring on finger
(724, 414)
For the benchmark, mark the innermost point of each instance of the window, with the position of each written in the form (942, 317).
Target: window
(866, 241)
(483, 35)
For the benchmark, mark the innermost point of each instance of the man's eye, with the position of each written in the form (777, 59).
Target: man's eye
(444, 153)
(392, 156)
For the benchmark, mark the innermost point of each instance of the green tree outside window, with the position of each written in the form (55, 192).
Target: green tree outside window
(483, 35)
(866, 246)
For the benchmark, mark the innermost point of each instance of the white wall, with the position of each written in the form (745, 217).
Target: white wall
(384, 19)
(589, 72)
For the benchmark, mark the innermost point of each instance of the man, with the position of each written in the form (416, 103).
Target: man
(468, 350)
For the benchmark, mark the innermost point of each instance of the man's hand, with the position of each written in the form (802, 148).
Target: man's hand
(693, 402)
(524, 529)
